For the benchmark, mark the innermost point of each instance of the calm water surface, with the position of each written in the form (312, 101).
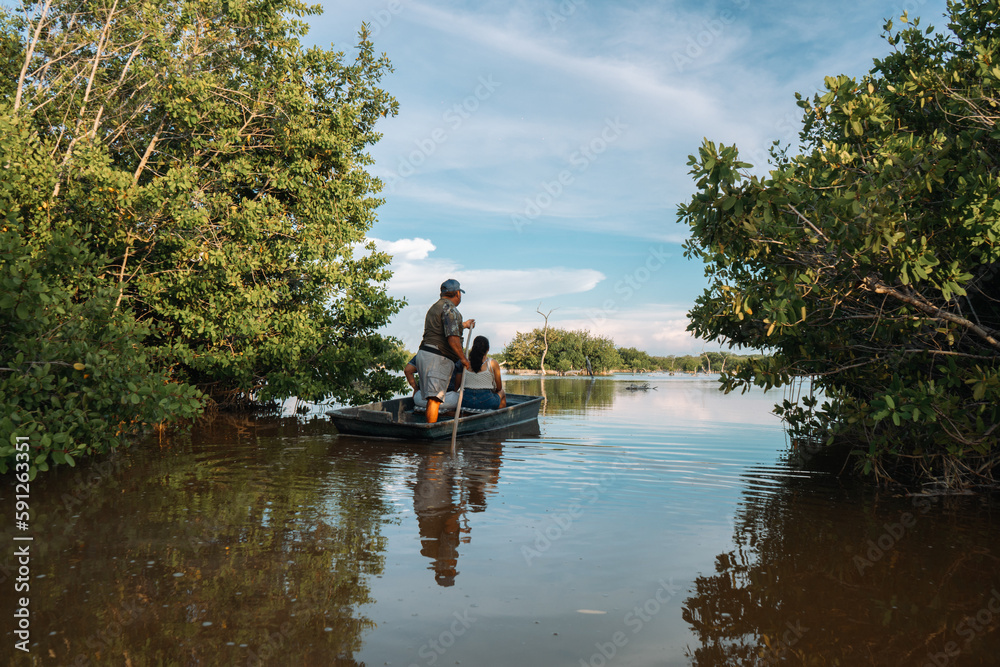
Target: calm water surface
(656, 527)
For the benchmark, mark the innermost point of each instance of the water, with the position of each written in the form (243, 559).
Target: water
(647, 527)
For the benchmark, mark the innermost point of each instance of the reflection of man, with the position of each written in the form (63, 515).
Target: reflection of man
(444, 491)
(438, 517)
(441, 346)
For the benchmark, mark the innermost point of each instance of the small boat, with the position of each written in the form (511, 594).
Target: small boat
(396, 419)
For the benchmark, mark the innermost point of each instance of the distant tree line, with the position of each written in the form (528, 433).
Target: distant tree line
(707, 362)
(570, 350)
(567, 350)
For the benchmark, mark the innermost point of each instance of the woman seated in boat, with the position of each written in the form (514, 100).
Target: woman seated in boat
(483, 388)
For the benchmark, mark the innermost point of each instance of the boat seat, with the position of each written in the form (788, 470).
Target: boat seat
(419, 410)
(373, 416)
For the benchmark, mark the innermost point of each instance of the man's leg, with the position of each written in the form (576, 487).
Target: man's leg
(434, 371)
(433, 405)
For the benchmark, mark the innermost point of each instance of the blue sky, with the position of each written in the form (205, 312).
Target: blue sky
(540, 150)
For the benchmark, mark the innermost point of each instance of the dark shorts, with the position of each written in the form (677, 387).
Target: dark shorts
(480, 399)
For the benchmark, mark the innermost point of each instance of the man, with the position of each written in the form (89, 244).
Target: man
(450, 398)
(441, 346)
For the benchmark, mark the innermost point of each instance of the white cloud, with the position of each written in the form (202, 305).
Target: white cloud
(406, 250)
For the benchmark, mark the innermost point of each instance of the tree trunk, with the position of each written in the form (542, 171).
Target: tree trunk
(545, 337)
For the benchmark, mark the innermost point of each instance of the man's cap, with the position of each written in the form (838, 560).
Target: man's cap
(451, 285)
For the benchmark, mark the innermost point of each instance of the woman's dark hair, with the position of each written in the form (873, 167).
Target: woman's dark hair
(480, 346)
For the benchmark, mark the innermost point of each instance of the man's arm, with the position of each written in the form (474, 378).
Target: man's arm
(456, 346)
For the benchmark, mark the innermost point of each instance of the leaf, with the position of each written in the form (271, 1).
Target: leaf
(979, 392)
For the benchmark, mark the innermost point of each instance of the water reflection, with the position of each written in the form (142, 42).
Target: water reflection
(277, 542)
(822, 574)
(219, 548)
(446, 487)
(568, 395)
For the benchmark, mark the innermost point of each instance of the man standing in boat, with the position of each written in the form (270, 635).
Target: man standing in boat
(441, 346)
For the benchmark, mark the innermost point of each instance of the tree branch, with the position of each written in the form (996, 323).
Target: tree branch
(29, 54)
(879, 287)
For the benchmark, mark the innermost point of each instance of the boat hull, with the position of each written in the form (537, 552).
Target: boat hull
(395, 419)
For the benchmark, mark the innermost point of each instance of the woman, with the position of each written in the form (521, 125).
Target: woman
(483, 388)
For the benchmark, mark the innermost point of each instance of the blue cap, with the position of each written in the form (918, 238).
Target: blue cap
(451, 285)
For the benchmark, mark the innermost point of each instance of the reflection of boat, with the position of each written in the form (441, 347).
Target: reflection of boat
(447, 489)
(396, 419)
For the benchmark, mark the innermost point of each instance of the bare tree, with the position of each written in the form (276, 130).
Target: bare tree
(545, 337)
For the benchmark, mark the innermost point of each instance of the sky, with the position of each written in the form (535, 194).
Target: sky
(540, 150)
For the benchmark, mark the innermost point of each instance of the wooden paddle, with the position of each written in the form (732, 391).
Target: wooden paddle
(461, 393)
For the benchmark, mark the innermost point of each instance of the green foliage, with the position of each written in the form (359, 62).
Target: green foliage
(207, 175)
(75, 379)
(232, 163)
(636, 360)
(567, 350)
(871, 261)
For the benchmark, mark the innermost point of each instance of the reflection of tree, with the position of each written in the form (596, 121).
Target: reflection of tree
(221, 549)
(574, 395)
(444, 490)
(824, 576)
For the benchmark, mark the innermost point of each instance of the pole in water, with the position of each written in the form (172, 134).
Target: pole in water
(461, 393)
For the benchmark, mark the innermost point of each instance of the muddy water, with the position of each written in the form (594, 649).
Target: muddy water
(663, 526)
